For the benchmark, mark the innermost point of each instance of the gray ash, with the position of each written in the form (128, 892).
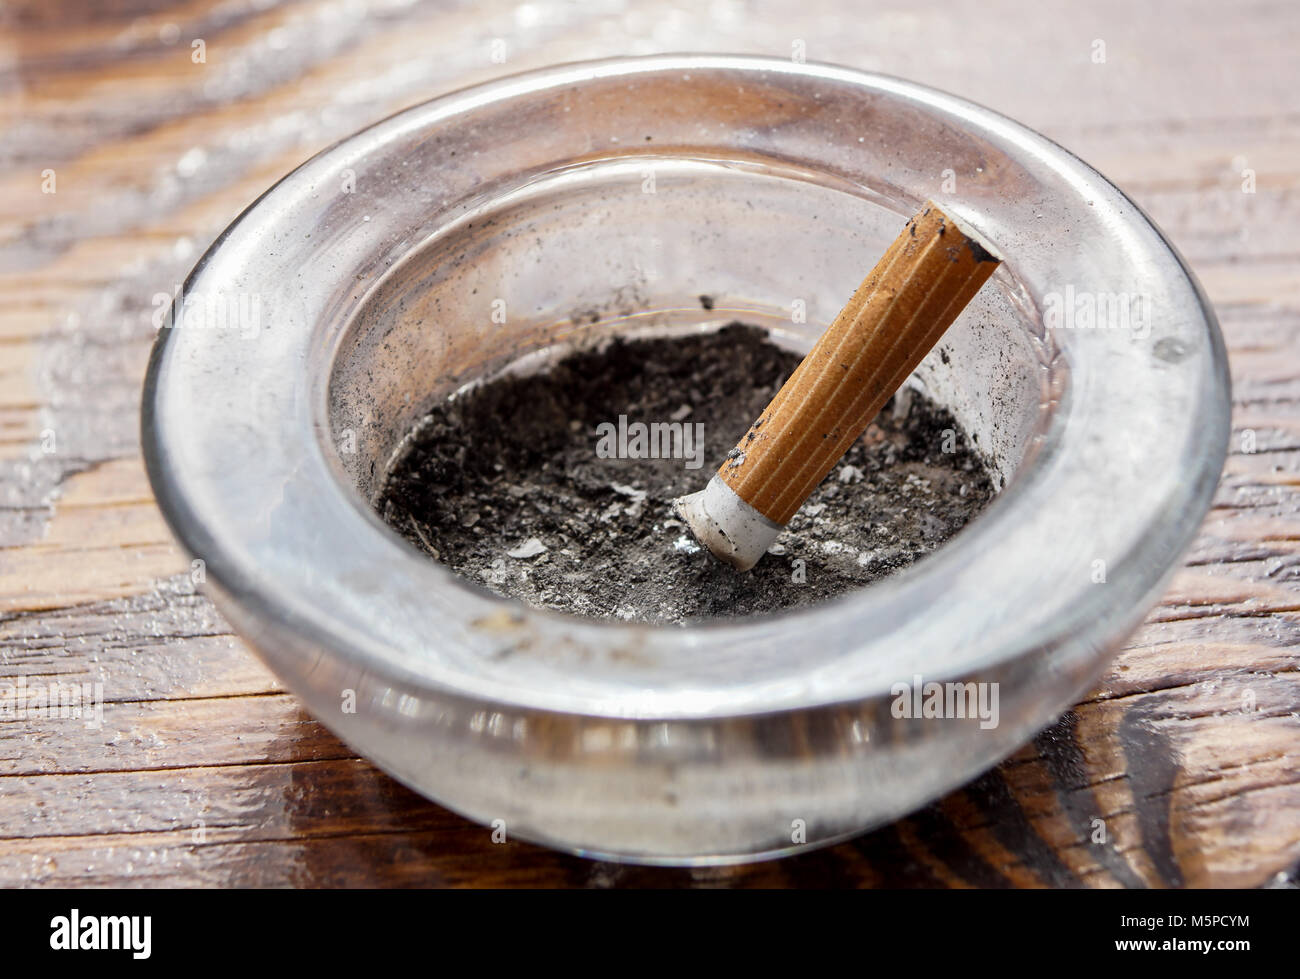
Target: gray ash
(504, 484)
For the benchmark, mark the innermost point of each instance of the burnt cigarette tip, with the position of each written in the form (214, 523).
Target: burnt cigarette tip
(730, 528)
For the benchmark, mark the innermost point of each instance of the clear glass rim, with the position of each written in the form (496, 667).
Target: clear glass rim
(206, 399)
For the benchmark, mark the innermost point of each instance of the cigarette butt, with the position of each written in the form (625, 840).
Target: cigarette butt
(900, 311)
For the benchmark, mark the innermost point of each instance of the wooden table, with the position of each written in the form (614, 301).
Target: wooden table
(1182, 767)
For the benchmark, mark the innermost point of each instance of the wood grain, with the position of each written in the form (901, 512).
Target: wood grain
(1179, 769)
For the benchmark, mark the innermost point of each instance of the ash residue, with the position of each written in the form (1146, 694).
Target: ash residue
(504, 485)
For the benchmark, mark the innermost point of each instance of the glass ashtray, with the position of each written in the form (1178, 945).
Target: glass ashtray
(605, 198)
